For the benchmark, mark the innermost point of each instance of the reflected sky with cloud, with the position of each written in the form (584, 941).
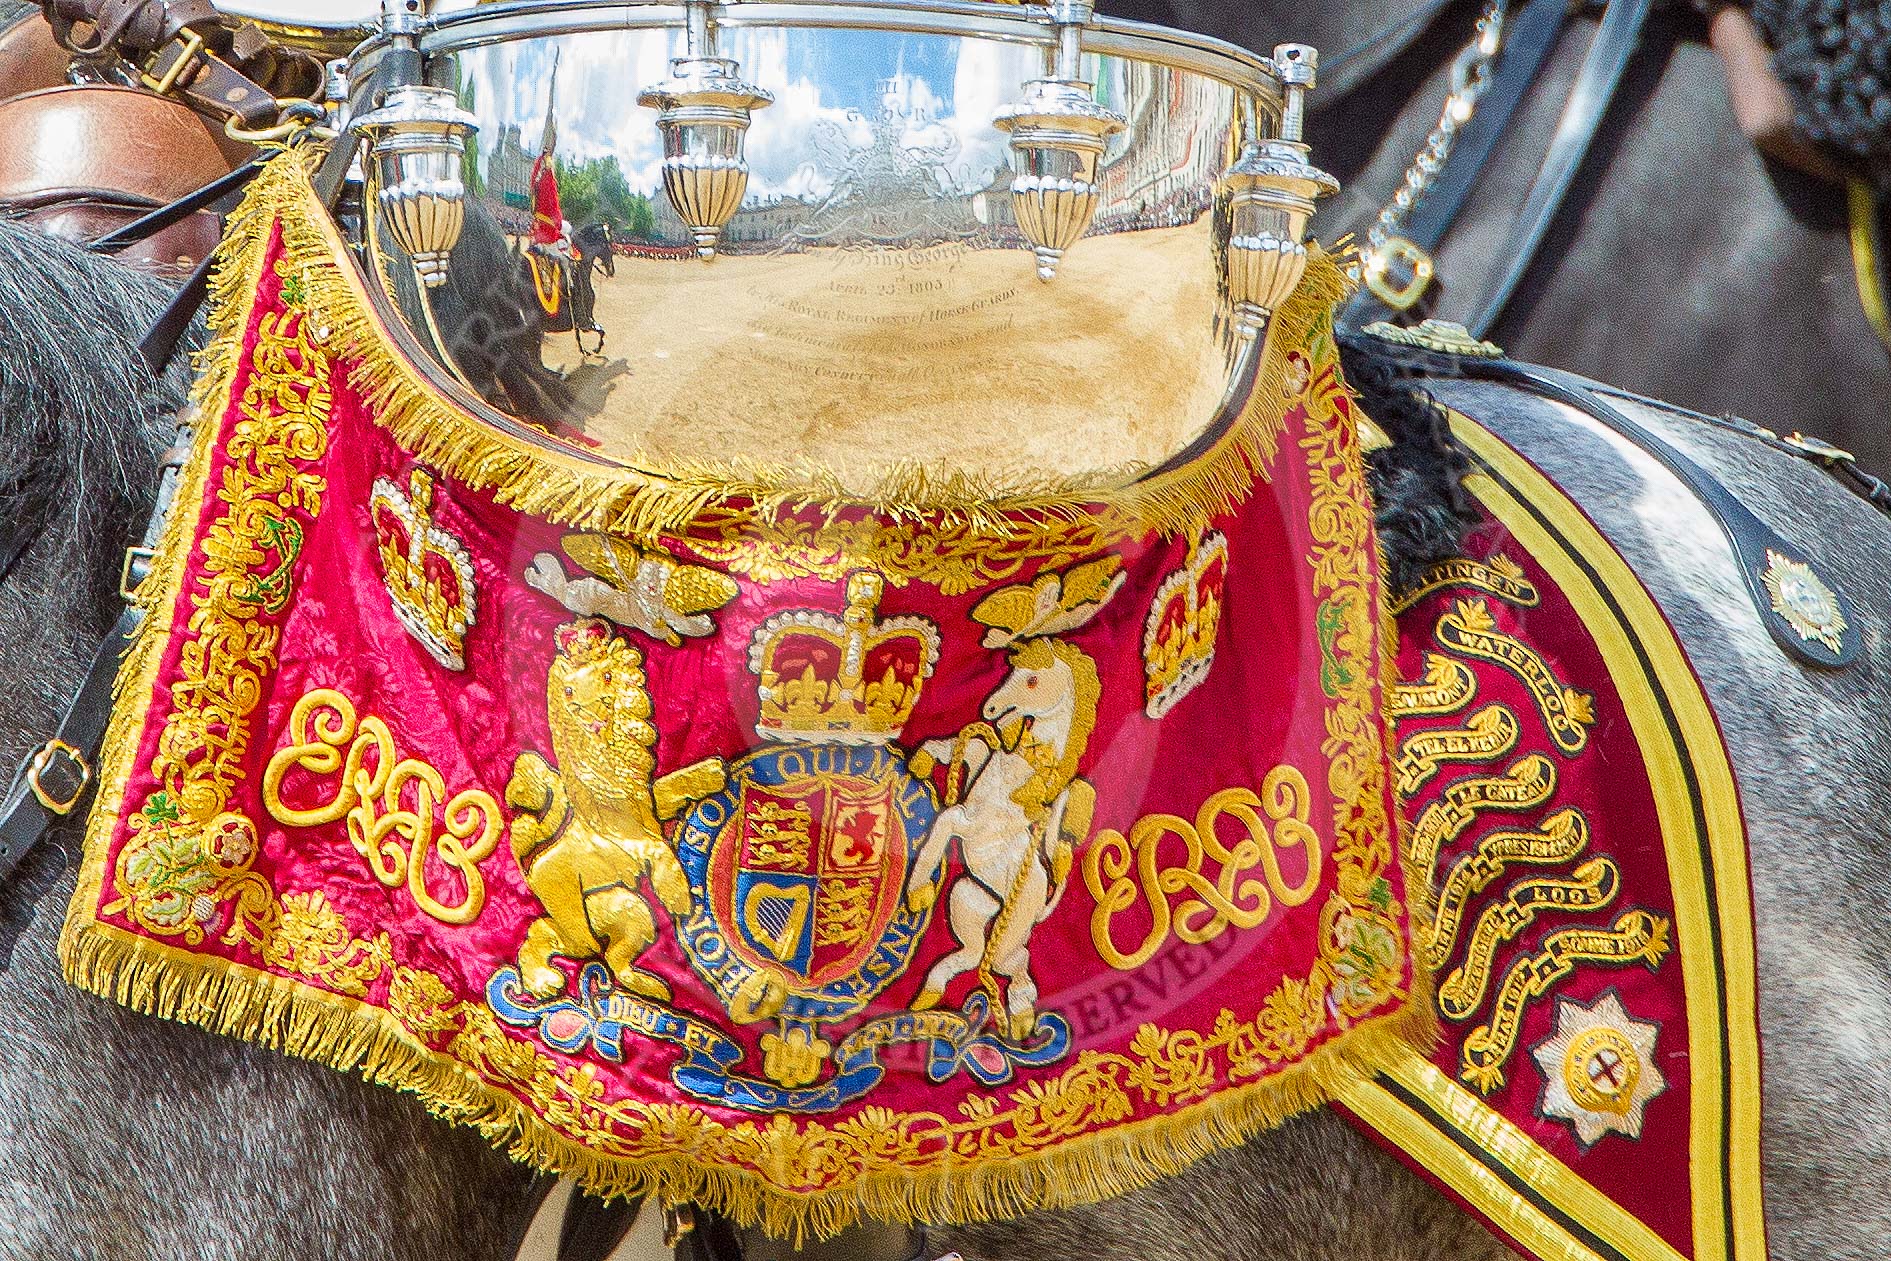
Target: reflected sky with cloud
(933, 96)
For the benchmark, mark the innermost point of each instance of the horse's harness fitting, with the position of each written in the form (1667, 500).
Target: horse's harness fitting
(1807, 614)
(58, 776)
(1375, 271)
(189, 52)
(1443, 337)
(132, 571)
(1470, 77)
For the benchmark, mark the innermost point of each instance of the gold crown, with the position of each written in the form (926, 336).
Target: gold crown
(1178, 645)
(851, 678)
(428, 575)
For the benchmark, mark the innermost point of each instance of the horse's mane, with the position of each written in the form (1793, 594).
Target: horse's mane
(81, 417)
(1422, 509)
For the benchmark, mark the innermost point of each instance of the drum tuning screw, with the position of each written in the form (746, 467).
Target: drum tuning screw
(1271, 191)
(703, 110)
(416, 142)
(1058, 133)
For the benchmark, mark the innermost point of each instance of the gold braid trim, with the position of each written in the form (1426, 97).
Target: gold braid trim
(974, 512)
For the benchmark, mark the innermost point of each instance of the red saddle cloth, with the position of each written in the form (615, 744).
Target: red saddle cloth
(801, 856)
(1570, 807)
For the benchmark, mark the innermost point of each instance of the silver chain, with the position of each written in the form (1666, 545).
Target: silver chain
(1470, 76)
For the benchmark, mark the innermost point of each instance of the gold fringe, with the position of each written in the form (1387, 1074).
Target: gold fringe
(278, 1012)
(571, 488)
(211, 994)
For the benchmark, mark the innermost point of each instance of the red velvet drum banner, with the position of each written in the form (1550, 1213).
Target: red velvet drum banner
(804, 856)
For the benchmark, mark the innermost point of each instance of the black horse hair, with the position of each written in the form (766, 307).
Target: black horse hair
(1422, 510)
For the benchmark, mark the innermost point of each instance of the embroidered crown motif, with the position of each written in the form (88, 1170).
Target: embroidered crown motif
(428, 575)
(852, 679)
(1178, 645)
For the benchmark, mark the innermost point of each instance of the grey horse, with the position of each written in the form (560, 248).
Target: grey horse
(127, 1137)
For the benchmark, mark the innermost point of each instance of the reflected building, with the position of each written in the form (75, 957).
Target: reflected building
(1158, 170)
(509, 169)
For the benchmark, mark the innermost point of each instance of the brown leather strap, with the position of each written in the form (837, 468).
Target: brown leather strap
(215, 87)
(184, 46)
(132, 28)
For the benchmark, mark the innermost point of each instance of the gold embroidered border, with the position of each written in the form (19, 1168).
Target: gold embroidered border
(1027, 1152)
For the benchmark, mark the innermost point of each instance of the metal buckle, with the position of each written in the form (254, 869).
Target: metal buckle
(1376, 268)
(190, 47)
(127, 585)
(43, 759)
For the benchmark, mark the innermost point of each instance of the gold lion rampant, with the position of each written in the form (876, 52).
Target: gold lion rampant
(589, 833)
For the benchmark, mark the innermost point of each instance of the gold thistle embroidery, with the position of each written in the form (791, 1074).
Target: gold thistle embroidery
(186, 858)
(1593, 887)
(1638, 937)
(1134, 874)
(373, 787)
(1501, 577)
(311, 939)
(1563, 835)
(1804, 601)
(1524, 785)
(1488, 734)
(1567, 712)
(1448, 686)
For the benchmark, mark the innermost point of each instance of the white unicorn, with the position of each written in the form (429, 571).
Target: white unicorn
(1017, 806)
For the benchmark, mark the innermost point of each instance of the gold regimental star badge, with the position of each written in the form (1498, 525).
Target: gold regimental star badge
(1599, 1069)
(1801, 597)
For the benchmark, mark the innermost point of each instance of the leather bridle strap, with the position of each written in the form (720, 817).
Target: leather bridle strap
(1616, 40)
(1342, 74)
(54, 777)
(1525, 48)
(1757, 547)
